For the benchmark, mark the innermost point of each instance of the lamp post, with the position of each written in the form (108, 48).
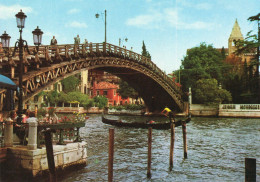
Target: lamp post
(97, 16)
(5, 38)
(122, 40)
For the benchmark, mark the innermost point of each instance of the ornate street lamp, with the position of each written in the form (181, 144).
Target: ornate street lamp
(21, 44)
(37, 37)
(5, 39)
(20, 19)
(97, 16)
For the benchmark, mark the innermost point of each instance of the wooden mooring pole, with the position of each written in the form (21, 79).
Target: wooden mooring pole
(111, 154)
(50, 156)
(172, 143)
(184, 133)
(250, 170)
(149, 152)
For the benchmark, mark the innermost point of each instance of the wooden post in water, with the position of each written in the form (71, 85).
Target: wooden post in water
(250, 170)
(111, 154)
(50, 156)
(184, 133)
(149, 152)
(172, 143)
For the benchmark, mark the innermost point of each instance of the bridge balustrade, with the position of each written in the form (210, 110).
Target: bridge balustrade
(53, 54)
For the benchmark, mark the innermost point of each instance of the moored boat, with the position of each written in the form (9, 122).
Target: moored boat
(159, 126)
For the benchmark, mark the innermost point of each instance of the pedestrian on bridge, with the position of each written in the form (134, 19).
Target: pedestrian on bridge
(53, 41)
(77, 40)
(86, 42)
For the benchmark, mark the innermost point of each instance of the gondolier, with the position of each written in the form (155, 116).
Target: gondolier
(168, 112)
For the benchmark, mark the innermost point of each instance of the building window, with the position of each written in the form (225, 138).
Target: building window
(98, 92)
(45, 98)
(36, 98)
(105, 92)
(114, 92)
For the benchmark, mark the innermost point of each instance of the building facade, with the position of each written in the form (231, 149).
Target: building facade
(236, 35)
(109, 90)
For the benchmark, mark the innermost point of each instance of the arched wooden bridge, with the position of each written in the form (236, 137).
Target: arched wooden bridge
(53, 63)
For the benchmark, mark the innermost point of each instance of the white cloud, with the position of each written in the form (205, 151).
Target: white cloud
(168, 17)
(140, 20)
(7, 12)
(151, 20)
(73, 11)
(76, 24)
(171, 16)
(196, 25)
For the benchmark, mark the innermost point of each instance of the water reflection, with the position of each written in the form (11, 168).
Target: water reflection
(217, 148)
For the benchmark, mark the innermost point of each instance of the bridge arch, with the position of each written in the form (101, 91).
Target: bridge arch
(53, 63)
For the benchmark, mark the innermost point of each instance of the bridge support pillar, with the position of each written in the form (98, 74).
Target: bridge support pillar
(8, 138)
(32, 136)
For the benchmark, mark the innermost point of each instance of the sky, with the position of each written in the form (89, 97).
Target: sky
(167, 27)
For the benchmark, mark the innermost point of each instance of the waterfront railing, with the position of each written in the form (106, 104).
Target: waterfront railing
(240, 107)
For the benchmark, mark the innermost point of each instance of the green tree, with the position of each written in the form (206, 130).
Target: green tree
(83, 99)
(100, 101)
(251, 44)
(208, 92)
(126, 91)
(232, 76)
(201, 62)
(223, 53)
(145, 52)
(70, 84)
(63, 98)
(53, 97)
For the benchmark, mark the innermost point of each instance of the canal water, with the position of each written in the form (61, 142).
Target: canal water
(217, 148)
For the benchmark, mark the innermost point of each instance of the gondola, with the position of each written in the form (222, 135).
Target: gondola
(159, 126)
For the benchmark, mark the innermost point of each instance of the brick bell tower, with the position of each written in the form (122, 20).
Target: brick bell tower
(235, 35)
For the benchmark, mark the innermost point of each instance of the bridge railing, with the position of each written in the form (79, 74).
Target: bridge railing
(137, 57)
(68, 50)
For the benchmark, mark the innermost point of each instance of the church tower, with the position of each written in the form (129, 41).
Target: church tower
(235, 35)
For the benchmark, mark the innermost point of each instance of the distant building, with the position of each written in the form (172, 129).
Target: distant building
(108, 90)
(235, 36)
(84, 82)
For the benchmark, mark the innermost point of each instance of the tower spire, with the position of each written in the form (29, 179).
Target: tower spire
(236, 32)
(234, 36)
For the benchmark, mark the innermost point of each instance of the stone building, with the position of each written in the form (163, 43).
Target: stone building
(109, 90)
(235, 36)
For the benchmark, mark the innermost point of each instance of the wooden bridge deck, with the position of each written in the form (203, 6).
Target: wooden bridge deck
(51, 63)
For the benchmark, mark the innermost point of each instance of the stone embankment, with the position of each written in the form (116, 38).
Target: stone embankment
(30, 164)
(26, 163)
(226, 110)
